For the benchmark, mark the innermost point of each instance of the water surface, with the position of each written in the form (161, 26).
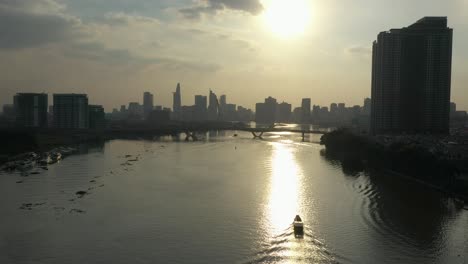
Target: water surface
(224, 199)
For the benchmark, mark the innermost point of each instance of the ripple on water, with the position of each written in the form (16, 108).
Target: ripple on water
(372, 210)
(287, 248)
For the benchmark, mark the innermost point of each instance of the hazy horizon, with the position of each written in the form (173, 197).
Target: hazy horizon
(115, 50)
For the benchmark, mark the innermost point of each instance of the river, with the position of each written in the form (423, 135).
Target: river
(223, 199)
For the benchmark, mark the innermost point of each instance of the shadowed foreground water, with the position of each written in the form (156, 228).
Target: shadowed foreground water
(223, 200)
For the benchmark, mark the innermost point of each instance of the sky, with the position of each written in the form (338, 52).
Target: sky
(114, 50)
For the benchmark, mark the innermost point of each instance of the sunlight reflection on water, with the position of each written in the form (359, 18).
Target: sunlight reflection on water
(284, 188)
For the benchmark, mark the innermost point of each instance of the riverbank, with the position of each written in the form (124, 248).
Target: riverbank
(431, 160)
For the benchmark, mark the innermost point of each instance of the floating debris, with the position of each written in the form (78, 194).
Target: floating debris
(92, 181)
(19, 182)
(81, 193)
(79, 211)
(34, 172)
(30, 206)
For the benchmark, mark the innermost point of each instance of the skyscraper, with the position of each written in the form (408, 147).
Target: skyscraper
(411, 78)
(177, 103)
(213, 107)
(148, 103)
(265, 113)
(31, 109)
(200, 107)
(71, 111)
(305, 110)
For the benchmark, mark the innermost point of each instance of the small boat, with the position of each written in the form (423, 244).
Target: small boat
(298, 226)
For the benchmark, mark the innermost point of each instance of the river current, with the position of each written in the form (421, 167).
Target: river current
(224, 199)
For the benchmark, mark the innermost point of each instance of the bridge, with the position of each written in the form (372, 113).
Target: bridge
(258, 132)
(191, 129)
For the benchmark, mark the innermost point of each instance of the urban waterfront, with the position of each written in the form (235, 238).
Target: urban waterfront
(223, 199)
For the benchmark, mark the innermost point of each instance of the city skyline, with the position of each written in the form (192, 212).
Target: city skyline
(124, 50)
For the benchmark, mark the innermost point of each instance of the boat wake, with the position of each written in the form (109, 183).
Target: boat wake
(286, 248)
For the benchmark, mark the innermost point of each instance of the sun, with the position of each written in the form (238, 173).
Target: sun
(287, 18)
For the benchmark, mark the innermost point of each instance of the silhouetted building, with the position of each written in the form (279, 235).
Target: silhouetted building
(305, 106)
(213, 107)
(177, 104)
(283, 113)
(366, 109)
(71, 111)
(222, 100)
(334, 108)
(97, 117)
(31, 109)
(244, 114)
(148, 103)
(297, 115)
(229, 112)
(411, 78)
(135, 111)
(453, 108)
(222, 107)
(265, 113)
(157, 117)
(200, 107)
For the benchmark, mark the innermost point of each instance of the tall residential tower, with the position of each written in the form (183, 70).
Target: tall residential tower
(411, 78)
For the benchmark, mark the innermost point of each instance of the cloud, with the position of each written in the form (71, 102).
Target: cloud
(96, 51)
(123, 19)
(27, 23)
(211, 7)
(360, 50)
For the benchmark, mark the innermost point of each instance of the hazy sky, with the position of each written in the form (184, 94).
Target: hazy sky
(114, 50)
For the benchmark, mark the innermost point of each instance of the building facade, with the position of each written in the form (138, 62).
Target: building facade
(71, 111)
(177, 104)
(411, 78)
(97, 117)
(148, 103)
(31, 109)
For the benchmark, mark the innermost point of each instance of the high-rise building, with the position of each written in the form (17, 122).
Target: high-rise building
(333, 108)
(71, 111)
(177, 103)
(222, 100)
(199, 112)
(222, 107)
(305, 106)
(97, 117)
(265, 113)
(148, 103)
(411, 78)
(31, 109)
(213, 107)
(366, 109)
(283, 112)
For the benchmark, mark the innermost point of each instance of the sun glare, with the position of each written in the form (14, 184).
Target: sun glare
(287, 18)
